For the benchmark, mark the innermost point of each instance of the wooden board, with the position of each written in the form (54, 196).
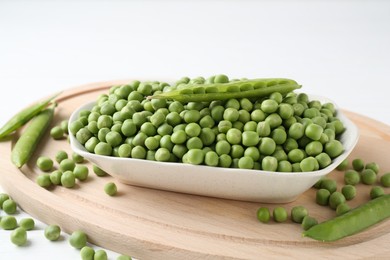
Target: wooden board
(153, 224)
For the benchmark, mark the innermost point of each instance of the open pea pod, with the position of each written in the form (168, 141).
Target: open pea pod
(234, 89)
(24, 116)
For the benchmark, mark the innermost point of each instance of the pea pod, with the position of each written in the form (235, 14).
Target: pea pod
(24, 116)
(30, 138)
(234, 89)
(353, 221)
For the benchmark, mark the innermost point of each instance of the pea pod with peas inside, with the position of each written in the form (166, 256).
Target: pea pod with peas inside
(234, 89)
(24, 116)
(353, 221)
(30, 138)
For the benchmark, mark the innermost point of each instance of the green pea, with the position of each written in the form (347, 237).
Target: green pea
(385, 180)
(342, 208)
(123, 257)
(78, 239)
(81, 172)
(329, 184)
(19, 236)
(52, 232)
(308, 222)
(263, 129)
(267, 146)
(298, 213)
(314, 148)
(269, 163)
(225, 160)
(138, 152)
(110, 189)
(44, 180)
(75, 126)
(343, 165)
(57, 133)
(263, 214)
(358, 164)
(103, 148)
(335, 199)
(284, 166)
(245, 162)
(45, 163)
(373, 166)
(68, 179)
(309, 164)
(9, 206)
(334, 148)
(27, 223)
(87, 253)
(67, 165)
(3, 197)
(368, 177)
(222, 147)
(322, 197)
(8, 222)
(351, 177)
(98, 171)
(195, 156)
(296, 131)
(269, 106)
(317, 185)
(323, 160)
(211, 158)
(349, 191)
(64, 126)
(274, 120)
(296, 155)
(314, 131)
(376, 192)
(100, 255)
(77, 158)
(280, 214)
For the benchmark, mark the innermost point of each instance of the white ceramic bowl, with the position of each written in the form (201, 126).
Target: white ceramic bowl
(237, 184)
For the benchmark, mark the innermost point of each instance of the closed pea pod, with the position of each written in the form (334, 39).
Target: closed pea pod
(28, 141)
(353, 221)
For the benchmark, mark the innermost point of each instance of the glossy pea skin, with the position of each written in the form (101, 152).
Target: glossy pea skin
(19, 236)
(44, 180)
(67, 165)
(52, 232)
(81, 172)
(280, 214)
(78, 239)
(269, 163)
(68, 179)
(57, 133)
(110, 189)
(263, 214)
(362, 217)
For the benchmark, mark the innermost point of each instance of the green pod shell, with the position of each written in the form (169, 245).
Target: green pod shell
(233, 89)
(353, 221)
(30, 138)
(24, 116)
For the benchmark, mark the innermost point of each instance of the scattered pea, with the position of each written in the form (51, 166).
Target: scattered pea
(329, 184)
(349, 191)
(351, 177)
(123, 257)
(98, 171)
(385, 181)
(280, 214)
(368, 177)
(358, 164)
(9, 206)
(342, 208)
(44, 180)
(8, 222)
(55, 177)
(77, 158)
(322, 197)
(335, 199)
(100, 255)
(60, 156)
(87, 253)
(57, 133)
(110, 189)
(3, 197)
(343, 165)
(68, 179)
(19, 236)
(308, 222)
(67, 165)
(52, 232)
(45, 163)
(298, 213)
(78, 239)
(373, 166)
(263, 214)
(376, 192)
(27, 223)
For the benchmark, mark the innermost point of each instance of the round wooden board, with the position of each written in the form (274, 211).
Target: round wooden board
(154, 224)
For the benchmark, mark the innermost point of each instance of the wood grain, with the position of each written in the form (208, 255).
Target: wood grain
(154, 224)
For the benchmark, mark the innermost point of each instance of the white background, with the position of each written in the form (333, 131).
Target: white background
(338, 49)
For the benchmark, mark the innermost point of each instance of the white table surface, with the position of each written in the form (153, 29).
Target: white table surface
(338, 49)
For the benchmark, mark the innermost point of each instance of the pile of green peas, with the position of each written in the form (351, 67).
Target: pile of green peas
(286, 133)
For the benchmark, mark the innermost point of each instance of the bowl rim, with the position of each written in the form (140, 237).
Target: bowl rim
(78, 148)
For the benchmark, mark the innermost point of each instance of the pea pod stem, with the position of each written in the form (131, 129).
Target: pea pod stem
(353, 221)
(24, 116)
(261, 88)
(28, 141)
